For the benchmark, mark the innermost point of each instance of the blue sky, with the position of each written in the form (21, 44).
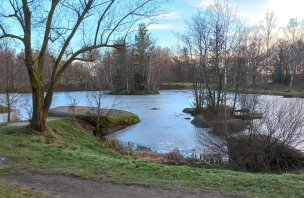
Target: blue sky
(250, 11)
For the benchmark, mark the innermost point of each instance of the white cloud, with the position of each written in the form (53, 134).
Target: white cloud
(159, 27)
(170, 15)
(252, 12)
(286, 9)
(200, 3)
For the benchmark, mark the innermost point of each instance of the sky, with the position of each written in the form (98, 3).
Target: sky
(250, 11)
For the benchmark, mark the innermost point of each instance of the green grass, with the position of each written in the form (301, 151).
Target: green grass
(9, 190)
(292, 92)
(77, 152)
(123, 119)
(176, 85)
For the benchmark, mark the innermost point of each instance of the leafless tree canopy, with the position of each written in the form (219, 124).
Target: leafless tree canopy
(70, 30)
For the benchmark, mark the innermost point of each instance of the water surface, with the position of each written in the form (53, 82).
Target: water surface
(163, 125)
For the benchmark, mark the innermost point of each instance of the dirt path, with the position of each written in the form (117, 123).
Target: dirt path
(74, 187)
(25, 123)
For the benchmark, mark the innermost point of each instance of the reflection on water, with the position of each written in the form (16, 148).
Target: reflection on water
(14, 117)
(163, 125)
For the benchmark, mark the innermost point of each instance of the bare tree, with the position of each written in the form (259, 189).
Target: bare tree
(72, 30)
(212, 40)
(268, 31)
(72, 104)
(10, 97)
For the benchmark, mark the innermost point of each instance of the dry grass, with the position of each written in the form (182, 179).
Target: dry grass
(3, 109)
(174, 157)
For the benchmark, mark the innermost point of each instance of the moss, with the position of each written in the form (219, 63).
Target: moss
(192, 111)
(123, 119)
(110, 120)
(111, 123)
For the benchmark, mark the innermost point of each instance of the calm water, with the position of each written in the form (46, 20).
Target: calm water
(162, 130)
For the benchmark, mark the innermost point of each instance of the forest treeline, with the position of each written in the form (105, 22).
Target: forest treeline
(255, 56)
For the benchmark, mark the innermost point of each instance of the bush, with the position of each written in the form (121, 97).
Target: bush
(192, 111)
(115, 145)
(174, 157)
(3, 109)
(199, 121)
(260, 154)
(218, 112)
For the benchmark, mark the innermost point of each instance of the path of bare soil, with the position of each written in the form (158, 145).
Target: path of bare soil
(74, 187)
(25, 123)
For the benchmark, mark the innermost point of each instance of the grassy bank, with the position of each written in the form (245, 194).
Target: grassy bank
(278, 90)
(68, 149)
(272, 91)
(111, 120)
(176, 85)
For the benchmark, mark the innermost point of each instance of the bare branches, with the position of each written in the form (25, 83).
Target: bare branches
(70, 29)
(8, 35)
(101, 19)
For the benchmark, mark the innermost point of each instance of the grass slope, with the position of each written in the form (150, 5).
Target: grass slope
(74, 151)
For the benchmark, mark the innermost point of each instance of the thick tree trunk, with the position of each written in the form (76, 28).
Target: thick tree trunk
(38, 121)
(41, 106)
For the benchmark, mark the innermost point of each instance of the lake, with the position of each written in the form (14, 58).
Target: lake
(163, 125)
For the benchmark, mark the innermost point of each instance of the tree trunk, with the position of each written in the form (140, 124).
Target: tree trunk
(8, 104)
(38, 121)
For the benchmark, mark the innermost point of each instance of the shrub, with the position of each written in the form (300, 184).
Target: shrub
(260, 153)
(115, 145)
(192, 111)
(218, 112)
(174, 157)
(200, 121)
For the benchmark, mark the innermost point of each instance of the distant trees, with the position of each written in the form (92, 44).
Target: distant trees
(134, 66)
(182, 66)
(143, 55)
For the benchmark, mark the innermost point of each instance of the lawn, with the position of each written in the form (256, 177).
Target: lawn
(68, 149)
